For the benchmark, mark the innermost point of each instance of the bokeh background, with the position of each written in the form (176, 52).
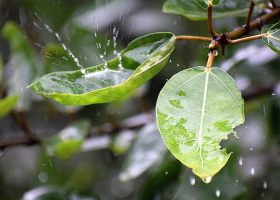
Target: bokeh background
(118, 163)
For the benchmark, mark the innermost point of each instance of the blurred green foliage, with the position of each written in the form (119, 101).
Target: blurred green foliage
(57, 33)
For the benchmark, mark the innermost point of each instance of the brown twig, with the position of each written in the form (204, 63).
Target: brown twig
(210, 21)
(247, 39)
(247, 26)
(196, 38)
(274, 4)
(257, 24)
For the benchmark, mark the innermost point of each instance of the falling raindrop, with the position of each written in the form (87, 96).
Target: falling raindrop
(43, 177)
(251, 149)
(240, 161)
(192, 180)
(166, 172)
(207, 179)
(177, 65)
(252, 171)
(170, 61)
(218, 193)
(273, 94)
(264, 185)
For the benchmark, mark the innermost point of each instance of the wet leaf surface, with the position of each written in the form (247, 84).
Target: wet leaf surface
(273, 38)
(208, 106)
(135, 65)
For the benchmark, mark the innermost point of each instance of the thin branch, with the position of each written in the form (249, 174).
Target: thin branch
(210, 21)
(257, 24)
(247, 39)
(251, 8)
(197, 38)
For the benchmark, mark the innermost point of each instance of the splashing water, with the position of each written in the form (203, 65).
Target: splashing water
(75, 58)
(218, 192)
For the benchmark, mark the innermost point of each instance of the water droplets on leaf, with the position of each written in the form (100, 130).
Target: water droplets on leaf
(208, 179)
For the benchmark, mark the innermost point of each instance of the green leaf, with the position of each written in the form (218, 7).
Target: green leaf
(67, 141)
(196, 109)
(24, 64)
(272, 39)
(147, 150)
(193, 11)
(208, 3)
(135, 65)
(7, 104)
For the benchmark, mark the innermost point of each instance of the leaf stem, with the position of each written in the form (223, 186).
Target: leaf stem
(247, 39)
(210, 22)
(251, 8)
(258, 23)
(197, 38)
(211, 57)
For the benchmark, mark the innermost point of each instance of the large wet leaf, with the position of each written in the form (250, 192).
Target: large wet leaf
(272, 39)
(197, 109)
(139, 62)
(228, 8)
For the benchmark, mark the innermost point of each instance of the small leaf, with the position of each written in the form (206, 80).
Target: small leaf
(193, 11)
(135, 65)
(272, 39)
(208, 3)
(208, 107)
(67, 141)
(7, 104)
(148, 149)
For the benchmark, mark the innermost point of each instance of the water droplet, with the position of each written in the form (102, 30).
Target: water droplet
(218, 193)
(264, 185)
(208, 179)
(251, 149)
(240, 161)
(48, 28)
(43, 177)
(252, 171)
(272, 94)
(56, 34)
(166, 172)
(192, 180)
(177, 65)
(237, 180)
(83, 71)
(101, 56)
(170, 61)
(215, 53)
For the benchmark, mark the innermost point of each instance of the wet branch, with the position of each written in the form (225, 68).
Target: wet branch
(210, 21)
(251, 9)
(196, 38)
